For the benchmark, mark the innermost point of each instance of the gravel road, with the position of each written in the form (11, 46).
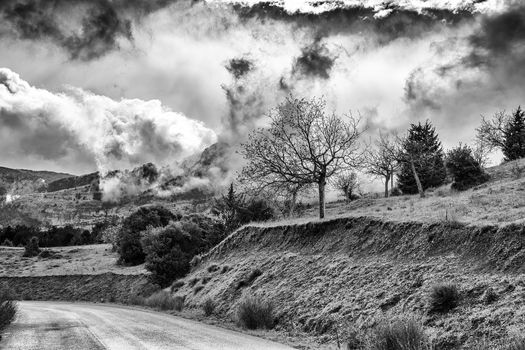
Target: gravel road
(72, 326)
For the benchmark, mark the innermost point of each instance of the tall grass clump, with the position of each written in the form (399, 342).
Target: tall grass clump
(8, 308)
(443, 298)
(164, 301)
(254, 312)
(399, 334)
(208, 307)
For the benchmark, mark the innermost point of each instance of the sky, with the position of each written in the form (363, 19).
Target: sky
(90, 85)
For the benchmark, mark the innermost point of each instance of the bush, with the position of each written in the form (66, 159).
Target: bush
(208, 307)
(253, 313)
(168, 253)
(130, 234)
(8, 308)
(171, 251)
(7, 243)
(164, 301)
(464, 168)
(399, 334)
(31, 248)
(444, 298)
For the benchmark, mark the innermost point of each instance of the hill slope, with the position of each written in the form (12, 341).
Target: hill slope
(332, 275)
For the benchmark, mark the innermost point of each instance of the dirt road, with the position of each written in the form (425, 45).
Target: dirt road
(72, 326)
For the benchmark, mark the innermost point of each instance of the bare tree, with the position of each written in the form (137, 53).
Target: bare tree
(491, 132)
(481, 152)
(302, 145)
(382, 160)
(347, 183)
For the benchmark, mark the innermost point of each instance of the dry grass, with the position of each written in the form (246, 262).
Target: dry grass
(399, 334)
(89, 259)
(500, 201)
(253, 312)
(162, 300)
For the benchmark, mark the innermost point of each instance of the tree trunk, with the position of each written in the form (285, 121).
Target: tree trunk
(392, 178)
(322, 184)
(293, 203)
(387, 179)
(418, 182)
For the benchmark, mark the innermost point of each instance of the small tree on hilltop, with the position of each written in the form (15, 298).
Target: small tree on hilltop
(506, 132)
(303, 145)
(464, 168)
(227, 208)
(347, 183)
(382, 161)
(514, 144)
(421, 160)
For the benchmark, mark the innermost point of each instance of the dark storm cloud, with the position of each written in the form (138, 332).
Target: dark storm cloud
(398, 23)
(500, 39)
(239, 67)
(101, 25)
(314, 61)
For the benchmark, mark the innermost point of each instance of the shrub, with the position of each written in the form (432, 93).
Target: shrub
(490, 296)
(444, 298)
(130, 234)
(32, 249)
(164, 301)
(253, 313)
(7, 243)
(177, 285)
(465, 170)
(208, 307)
(394, 192)
(8, 308)
(399, 334)
(168, 253)
(250, 278)
(197, 289)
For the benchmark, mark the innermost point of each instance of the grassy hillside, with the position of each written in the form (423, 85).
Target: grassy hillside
(326, 278)
(499, 201)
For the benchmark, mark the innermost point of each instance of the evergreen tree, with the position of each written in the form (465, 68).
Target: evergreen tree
(514, 136)
(422, 152)
(465, 170)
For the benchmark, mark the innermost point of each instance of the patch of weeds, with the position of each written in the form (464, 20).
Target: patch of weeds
(212, 268)
(208, 307)
(254, 312)
(177, 285)
(443, 298)
(399, 334)
(490, 296)
(249, 279)
(8, 308)
(193, 281)
(164, 301)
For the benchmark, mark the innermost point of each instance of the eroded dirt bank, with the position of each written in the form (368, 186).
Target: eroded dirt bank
(331, 275)
(107, 287)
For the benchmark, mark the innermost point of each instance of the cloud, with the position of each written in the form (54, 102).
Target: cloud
(315, 61)
(111, 134)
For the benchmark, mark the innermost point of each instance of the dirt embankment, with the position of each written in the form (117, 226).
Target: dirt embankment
(331, 275)
(107, 287)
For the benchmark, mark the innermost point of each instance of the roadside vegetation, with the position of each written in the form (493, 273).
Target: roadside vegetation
(8, 308)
